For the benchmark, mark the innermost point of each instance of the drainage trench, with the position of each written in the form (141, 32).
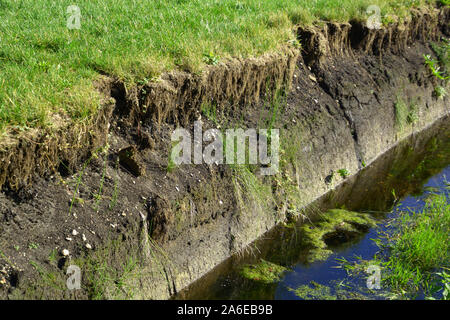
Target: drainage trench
(416, 168)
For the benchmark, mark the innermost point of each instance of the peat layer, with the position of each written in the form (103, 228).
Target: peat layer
(140, 228)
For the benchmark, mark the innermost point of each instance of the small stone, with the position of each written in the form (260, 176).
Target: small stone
(68, 238)
(220, 202)
(83, 237)
(74, 232)
(65, 252)
(313, 78)
(88, 246)
(177, 188)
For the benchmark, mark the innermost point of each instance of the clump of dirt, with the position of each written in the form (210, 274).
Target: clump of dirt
(160, 218)
(178, 97)
(342, 39)
(27, 155)
(130, 158)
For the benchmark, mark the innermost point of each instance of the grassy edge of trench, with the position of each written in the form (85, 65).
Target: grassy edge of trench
(414, 254)
(47, 68)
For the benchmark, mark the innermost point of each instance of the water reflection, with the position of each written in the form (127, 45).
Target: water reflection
(407, 170)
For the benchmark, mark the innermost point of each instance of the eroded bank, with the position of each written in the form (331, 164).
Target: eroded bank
(340, 102)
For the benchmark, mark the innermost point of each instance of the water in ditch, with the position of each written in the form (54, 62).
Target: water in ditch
(398, 181)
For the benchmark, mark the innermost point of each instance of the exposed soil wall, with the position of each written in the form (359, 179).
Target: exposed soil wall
(153, 231)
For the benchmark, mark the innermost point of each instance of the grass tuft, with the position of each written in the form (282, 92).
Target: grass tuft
(420, 246)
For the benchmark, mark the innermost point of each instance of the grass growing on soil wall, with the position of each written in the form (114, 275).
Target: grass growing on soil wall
(45, 68)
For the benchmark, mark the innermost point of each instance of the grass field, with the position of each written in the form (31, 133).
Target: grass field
(46, 68)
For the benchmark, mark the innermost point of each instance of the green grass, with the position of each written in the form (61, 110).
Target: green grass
(419, 248)
(209, 110)
(422, 243)
(335, 221)
(80, 176)
(344, 173)
(107, 270)
(401, 113)
(442, 51)
(48, 278)
(435, 68)
(314, 291)
(413, 114)
(415, 254)
(440, 92)
(264, 271)
(45, 68)
(405, 114)
(245, 179)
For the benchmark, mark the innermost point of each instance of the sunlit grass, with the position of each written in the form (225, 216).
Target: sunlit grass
(421, 245)
(415, 253)
(46, 68)
(417, 250)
